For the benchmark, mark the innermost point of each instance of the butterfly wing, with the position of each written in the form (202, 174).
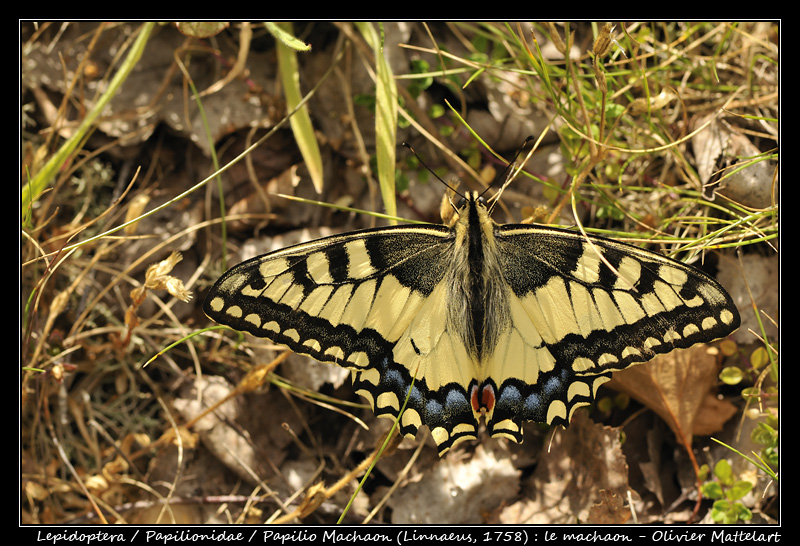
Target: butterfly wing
(372, 301)
(582, 309)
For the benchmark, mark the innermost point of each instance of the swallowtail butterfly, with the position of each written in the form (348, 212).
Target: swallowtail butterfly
(510, 322)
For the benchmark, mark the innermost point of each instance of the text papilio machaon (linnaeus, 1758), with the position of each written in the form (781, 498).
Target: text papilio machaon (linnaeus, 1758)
(514, 322)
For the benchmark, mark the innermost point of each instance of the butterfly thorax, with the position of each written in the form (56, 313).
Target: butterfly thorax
(477, 303)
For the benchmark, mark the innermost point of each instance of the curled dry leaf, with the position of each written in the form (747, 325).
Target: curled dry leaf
(677, 387)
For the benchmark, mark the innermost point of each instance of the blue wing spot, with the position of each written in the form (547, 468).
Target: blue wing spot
(455, 400)
(553, 386)
(433, 407)
(394, 378)
(415, 399)
(533, 403)
(510, 395)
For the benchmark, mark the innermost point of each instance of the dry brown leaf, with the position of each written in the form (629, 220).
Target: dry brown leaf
(246, 432)
(675, 386)
(458, 490)
(712, 415)
(611, 510)
(582, 466)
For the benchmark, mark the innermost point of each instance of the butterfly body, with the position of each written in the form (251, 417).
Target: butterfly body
(509, 323)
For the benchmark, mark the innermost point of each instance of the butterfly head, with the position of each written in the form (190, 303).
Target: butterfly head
(460, 210)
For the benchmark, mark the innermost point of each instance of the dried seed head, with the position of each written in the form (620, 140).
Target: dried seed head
(600, 77)
(157, 277)
(603, 42)
(556, 37)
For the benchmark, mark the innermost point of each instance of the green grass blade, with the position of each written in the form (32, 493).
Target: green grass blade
(42, 179)
(385, 118)
(301, 121)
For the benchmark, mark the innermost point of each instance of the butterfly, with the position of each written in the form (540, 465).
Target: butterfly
(473, 320)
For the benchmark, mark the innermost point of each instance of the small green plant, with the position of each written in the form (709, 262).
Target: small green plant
(766, 435)
(727, 492)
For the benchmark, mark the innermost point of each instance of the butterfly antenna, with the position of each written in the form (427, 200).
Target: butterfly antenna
(508, 174)
(451, 188)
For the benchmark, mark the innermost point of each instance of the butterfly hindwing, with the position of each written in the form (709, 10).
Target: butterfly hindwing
(514, 322)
